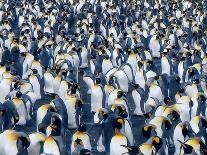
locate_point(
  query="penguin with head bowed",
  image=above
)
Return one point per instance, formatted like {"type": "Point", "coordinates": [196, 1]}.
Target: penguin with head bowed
{"type": "Point", "coordinates": [42, 111]}
{"type": "Point", "coordinates": [154, 146]}
{"type": "Point", "coordinates": [60, 107]}
{"type": "Point", "coordinates": [193, 146]}
{"type": "Point", "coordinates": [182, 132]}
{"type": "Point", "coordinates": [81, 134]}
{"type": "Point", "coordinates": [121, 80]}
{"type": "Point", "coordinates": [51, 146]}
{"type": "Point", "coordinates": [163, 125]}
{"type": "Point", "coordinates": [14, 142]}
{"type": "Point", "coordinates": [198, 125]}
{"type": "Point", "coordinates": [52, 126]}
{"type": "Point", "coordinates": [37, 140]}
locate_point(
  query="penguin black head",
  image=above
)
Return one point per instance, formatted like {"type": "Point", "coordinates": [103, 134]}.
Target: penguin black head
{"type": "Point", "coordinates": [106, 57]}
{"type": "Point", "coordinates": [185, 130]}
{"type": "Point", "coordinates": [120, 94]}
{"type": "Point", "coordinates": [157, 143]}
{"type": "Point", "coordinates": [34, 71]}
{"type": "Point", "coordinates": [147, 115]}
{"type": "Point", "coordinates": [98, 81]}
{"type": "Point", "coordinates": [202, 99]}
{"type": "Point", "coordinates": [118, 123]}
{"type": "Point", "coordinates": [167, 124]}
{"type": "Point", "coordinates": [175, 115]}
{"type": "Point", "coordinates": [82, 127]}
{"type": "Point", "coordinates": [203, 123]}
{"type": "Point", "coordinates": [188, 149]}
{"type": "Point", "coordinates": [18, 94]}
{"type": "Point", "coordinates": [177, 78]}
{"type": "Point", "coordinates": [167, 100]}
{"type": "Point", "coordinates": [147, 130]}
{"type": "Point", "coordinates": [121, 111]}
{"type": "Point", "coordinates": [85, 152]}
{"type": "Point", "coordinates": [79, 103]}
{"type": "Point", "coordinates": [55, 125]}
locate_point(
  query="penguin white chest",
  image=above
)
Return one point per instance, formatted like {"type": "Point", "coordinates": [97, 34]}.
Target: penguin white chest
{"type": "Point", "coordinates": [96, 97]}
{"type": "Point", "coordinates": [115, 145]}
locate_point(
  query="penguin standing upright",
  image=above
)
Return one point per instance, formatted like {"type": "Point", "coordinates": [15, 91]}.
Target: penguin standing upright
{"type": "Point", "coordinates": [81, 134]}
{"type": "Point", "coordinates": [96, 96]}
{"type": "Point", "coordinates": [118, 139]}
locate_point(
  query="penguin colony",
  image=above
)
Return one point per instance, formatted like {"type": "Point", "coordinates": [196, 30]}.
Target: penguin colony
{"type": "Point", "coordinates": [108, 77]}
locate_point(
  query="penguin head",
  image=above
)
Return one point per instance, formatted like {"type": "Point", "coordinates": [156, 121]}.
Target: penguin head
{"type": "Point", "coordinates": [118, 123]}
{"type": "Point", "coordinates": [98, 80]}
{"type": "Point", "coordinates": [167, 100]}
{"type": "Point", "coordinates": [167, 124]}
{"type": "Point", "coordinates": [18, 94]}
{"type": "Point", "coordinates": [120, 94]}
{"type": "Point", "coordinates": [147, 130]}
{"type": "Point", "coordinates": [34, 71]}
{"type": "Point", "coordinates": [82, 127]}
{"type": "Point", "coordinates": [102, 115]}
{"type": "Point", "coordinates": [188, 149]}
{"type": "Point", "coordinates": [55, 125]}
{"type": "Point", "coordinates": [157, 143]}
{"type": "Point", "coordinates": [203, 123]}
{"type": "Point", "coordinates": [185, 130]}
{"type": "Point", "coordinates": [120, 111]}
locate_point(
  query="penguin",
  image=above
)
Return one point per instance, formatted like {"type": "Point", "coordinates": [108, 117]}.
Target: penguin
{"type": "Point", "coordinates": [81, 134]}
{"type": "Point", "coordinates": [154, 46]}
{"type": "Point", "coordinates": [14, 142]}
{"type": "Point", "coordinates": [42, 111]}
{"type": "Point", "coordinates": [35, 94]}
{"type": "Point", "coordinates": [21, 109]}
{"type": "Point", "coordinates": [122, 80]}
{"type": "Point", "coordinates": [194, 145]}
{"type": "Point", "coordinates": [138, 98]}
{"type": "Point", "coordinates": [100, 118]}
{"type": "Point", "coordinates": [96, 95]}
{"type": "Point", "coordinates": [72, 103]}
{"type": "Point", "coordinates": [36, 143]}
{"type": "Point", "coordinates": [48, 86]}
{"type": "Point", "coordinates": [198, 125]}
{"type": "Point", "coordinates": [50, 146]}
{"type": "Point", "coordinates": [181, 133]}
{"type": "Point", "coordinates": [118, 139]}
{"type": "Point", "coordinates": [6, 86]}
{"type": "Point", "coordinates": [106, 64]}
{"type": "Point", "coordinates": [163, 124]}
